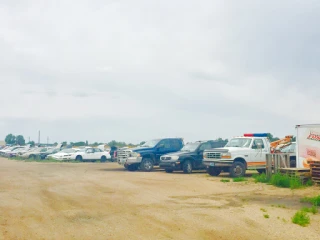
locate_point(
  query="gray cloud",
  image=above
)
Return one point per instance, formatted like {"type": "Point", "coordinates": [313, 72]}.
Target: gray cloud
{"type": "Point", "coordinates": [134, 70]}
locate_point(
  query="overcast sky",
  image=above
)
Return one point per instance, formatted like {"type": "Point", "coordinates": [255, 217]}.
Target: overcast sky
{"type": "Point", "coordinates": [129, 70]}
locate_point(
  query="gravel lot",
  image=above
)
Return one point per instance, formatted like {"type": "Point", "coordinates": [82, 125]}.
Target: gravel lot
{"type": "Point", "coordinates": [102, 201]}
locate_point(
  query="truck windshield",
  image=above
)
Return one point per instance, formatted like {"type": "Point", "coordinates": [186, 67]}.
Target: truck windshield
{"type": "Point", "coordinates": [190, 147]}
{"type": "Point", "coordinates": [151, 143]}
{"type": "Point", "coordinates": [239, 142]}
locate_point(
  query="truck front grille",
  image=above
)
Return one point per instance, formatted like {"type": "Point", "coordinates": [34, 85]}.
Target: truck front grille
{"type": "Point", "coordinates": [165, 158]}
{"type": "Point", "coordinates": [214, 155]}
{"type": "Point", "coordinates": [123, 154]}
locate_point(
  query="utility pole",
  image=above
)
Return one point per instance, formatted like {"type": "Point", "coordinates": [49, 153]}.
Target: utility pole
{"type": "Point", "coordinates": [47, 140]}
{"type": "Point", "coordinates": [39, 138]}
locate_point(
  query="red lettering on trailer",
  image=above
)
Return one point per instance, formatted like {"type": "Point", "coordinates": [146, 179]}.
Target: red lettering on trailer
{"type": "Point", "coordinates": [314, 136]}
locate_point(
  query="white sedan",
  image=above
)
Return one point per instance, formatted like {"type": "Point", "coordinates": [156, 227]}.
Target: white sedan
{"type": "Point", "coordinates": [64, 154]}
{"type": "Point", "coordinates": [90, 154]}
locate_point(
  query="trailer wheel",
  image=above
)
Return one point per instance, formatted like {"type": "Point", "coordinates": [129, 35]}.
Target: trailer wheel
{"type": "Point", "coordinates": [213, 171]}
{"type": "Point", "coordinates": [237, 169]}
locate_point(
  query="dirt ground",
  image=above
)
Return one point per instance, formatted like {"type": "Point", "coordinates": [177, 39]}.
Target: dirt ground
{"type": "Point", "coordinates": [103, 201]}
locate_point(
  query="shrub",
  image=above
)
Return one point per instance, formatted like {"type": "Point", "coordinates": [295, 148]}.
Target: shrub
{"type": "Point", "coordinates": [266, 216]}
{"type": "Point", "coordinates": [260, 178]}
{"type": "Point", "coordinates": [301, 218]}
{"type": "Point", "coordinates": [285, 181]}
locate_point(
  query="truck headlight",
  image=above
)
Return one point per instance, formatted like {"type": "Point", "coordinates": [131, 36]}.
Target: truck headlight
{"type": "Point", "coordinates": [226, 155]}
{"type": "Point", "coordinates": [134, 154]}
{"type": "Point", "coordinates": [174, 158]}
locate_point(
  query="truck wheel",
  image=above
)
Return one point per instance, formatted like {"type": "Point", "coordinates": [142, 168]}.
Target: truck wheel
{"type": "Point", "coordinates": [213, 171]}
{"type": "Point", "coordinates": [168, 170]}
{"type": "Point", "coordinates": [260, 171]}
{"type": "Point", "coordinates": [146, 165]}
{"type": "Point", "coordinates": [79, 158]}
{"type": "Point", "coordinates": [187, 167]}
{"type": "Point", "coordinates": [132, 167]}
{"type": "Point", "coordinates": [237, 169]}
{"type": "Point", "coordinates": [103, 159]}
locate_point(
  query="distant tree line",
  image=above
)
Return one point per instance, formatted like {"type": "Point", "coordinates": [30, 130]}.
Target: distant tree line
{"type": "Point", "coordinates": [19, 139]}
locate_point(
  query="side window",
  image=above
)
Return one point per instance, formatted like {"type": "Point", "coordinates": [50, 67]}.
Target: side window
{"type": "Point", "coordinates": [90, 150]}
{"type": "Point", "coordinates": [165, 144]}
{"type": "Point", "coordinates": [175, 144]}
{"type": "Point", "coordinates": [205, 146]}
{"type": "Point", "coordinates": [97, 150]}
{"type": "Point", "coordinates": [257, 142]}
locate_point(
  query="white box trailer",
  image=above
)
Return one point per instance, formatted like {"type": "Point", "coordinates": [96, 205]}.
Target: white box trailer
{"type": "Point", "coordinates": [308, 144]}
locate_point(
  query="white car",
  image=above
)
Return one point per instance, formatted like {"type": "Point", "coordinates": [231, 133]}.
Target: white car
{"type": "Point", "coordinates": [64, 154]}
{"type": "Point", "coordinates": [90, 154]}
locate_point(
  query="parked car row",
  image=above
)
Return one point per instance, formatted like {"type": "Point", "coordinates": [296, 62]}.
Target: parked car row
{"type": "Point", "coordinates": [247, 152]}
{"type": "Point", "coordinates": [57, 153]}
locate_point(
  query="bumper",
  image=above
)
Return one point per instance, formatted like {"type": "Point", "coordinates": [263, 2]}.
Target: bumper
{"type": "Point", "coordinates": [217, 163]}
{"type": "Point", "coordinates": [61, 158]}
{"type": "Point", "coordinates": [170, 165]}
{"type": "Point", "coordinates": [130, 160]}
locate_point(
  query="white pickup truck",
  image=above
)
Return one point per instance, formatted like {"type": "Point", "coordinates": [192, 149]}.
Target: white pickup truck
{"type": "Point", "coordinates": [240, 154]}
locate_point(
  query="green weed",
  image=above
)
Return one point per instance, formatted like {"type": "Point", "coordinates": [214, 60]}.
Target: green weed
{"type": "Point", "coordinates": [260, 178]}
{"type": "Point", "coordinates": [240, 179]}
{"type": "Point", "coordinates": [313, 209]}
{"type": "Point", "coordinates": [315, 201]}
{"type": "Point", "coordinates": [225, 180]}
{"type": "Point", "coordinates": [263, 210]}
{"type": "Point", "coordinates": [266, 216]}
{"type": "Point", "coordinates": [301, 218]}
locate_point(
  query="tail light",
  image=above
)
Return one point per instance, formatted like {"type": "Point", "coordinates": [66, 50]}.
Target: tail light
{"type": "Point", "coordinates": [115, 154]}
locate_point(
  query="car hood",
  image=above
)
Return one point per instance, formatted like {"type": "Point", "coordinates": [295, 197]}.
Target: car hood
{"type": "Point", "coordinates": [141, 149]}
{"type": "Point", "coordinates": [227, 149]}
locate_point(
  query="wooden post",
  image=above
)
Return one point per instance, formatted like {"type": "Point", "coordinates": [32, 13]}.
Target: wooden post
{"type": "Point", "coordinates": [269, 165]}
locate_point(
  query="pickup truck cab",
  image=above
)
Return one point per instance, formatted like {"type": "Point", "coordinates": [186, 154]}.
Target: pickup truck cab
{"type": "Point", "coordinates": [240, 154]}
{"type": "Point", "coordinates": [189, 158]}
{"type": "Point", "coordinates": [146, 156]}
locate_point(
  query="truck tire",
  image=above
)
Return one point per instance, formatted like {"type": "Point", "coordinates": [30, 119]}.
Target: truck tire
{"type": "Point", "coordinates": [103, 159]}
{"type": "Point", "coordinates": [237, 169]}
{"type": "Point", "coordinates": [168, 170]}
{"type": "Point", "coordinates": [132, 167]}
{"type": "Point", "coordinates": [187, 167]}
{"type": "Point", "coordinates": [146, 165]}
{"type": "Point", "coordinates": [213, 171]}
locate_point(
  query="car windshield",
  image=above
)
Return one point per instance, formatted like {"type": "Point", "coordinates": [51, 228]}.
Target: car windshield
{"type": "Point", "coordinates": [239, 142]}
{"type": "Point", "coordinates": [151, 143]}
{"type": "Point", "coordinates": [190, 147]}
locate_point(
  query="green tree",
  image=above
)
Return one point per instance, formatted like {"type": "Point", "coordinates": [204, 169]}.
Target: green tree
{"type": "Point", "coordinates": [143, 142]}
{"type": "Point", "coordinates": [272, 138]}
{"type": "Point", "coordinates": [20, 140]}
{"type": "Point", "coordinates": [10, 139]}
{"type": "Point", "coordinates": [32, 143]}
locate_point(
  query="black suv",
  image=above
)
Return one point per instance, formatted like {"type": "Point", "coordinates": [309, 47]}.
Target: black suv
{"type": "Point", "coordinates": [189, 158]}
